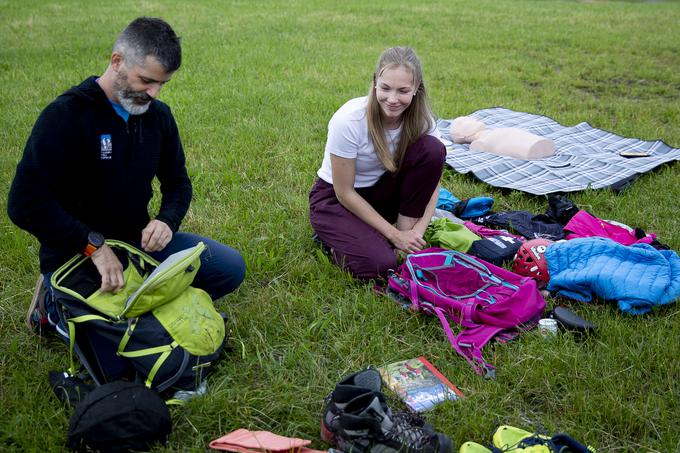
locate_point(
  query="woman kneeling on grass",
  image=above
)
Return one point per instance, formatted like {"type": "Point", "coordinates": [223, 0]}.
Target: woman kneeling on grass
{"type": "Point", "coordinates": [378, 183]}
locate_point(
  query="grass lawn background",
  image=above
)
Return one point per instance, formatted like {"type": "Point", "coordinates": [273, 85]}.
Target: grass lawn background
{"type": "Point", "coordinates": [258, 84]}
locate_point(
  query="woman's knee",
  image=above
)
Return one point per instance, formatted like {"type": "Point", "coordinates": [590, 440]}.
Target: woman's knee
{"type": "Point", "coordinates": [426, 152]}
{"type": "Point", "coordinates": [368, 267]}
{"type": "Point", "coordinates": [430, 150]}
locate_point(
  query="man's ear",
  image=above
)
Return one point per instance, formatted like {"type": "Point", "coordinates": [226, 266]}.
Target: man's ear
{"type": "Point", "coordinates": [116, 60]}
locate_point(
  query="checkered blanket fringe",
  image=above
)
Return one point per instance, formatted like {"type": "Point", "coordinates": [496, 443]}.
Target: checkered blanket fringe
{"type": "Point", "coordinates": [585, 157]}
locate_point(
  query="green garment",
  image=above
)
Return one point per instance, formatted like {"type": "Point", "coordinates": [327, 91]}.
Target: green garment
{"type": "Point", "coordinates": [444, 233]}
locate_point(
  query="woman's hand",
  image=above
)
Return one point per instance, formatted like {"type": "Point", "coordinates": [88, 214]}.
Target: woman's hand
{"type": "Point", "coordinates": [409, 241]}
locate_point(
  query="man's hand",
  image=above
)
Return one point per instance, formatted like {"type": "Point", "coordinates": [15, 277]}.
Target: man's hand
{"type": "Point", "coordinates": [409, 241]}
{"type": "Point", "coordinates": [156, 236]}
{"type": "Point", "coordinates": [109, 268]}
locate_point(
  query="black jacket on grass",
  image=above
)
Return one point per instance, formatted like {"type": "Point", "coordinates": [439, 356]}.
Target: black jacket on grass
{"type": "Point", "coordinates": [85, 169]}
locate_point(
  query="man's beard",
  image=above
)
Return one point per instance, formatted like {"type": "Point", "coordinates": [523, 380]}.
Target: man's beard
{"type": "Point", "coordinates": [134, 102]}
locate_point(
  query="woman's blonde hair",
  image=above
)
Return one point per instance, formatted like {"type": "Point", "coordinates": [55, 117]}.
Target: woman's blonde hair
{"type": "Point", "coordinates": [417, 118]}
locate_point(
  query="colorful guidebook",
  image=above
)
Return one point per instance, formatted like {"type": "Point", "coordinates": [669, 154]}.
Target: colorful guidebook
{"type": "Point", "coordinates": [418, 383]}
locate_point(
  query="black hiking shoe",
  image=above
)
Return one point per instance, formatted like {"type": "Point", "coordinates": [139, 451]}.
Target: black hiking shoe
{"type": "Point", "coordinates": [350, 387]}
{"type": "Point", "coordinates": [359, 383]}
{"type": "Point", "coordinates": [36, 317]}
{"type": "Point", "coordinates": [366, 425]}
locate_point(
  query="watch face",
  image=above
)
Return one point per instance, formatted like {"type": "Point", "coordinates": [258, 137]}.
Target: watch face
{"type": "Point", "coordinates": [96, 239]}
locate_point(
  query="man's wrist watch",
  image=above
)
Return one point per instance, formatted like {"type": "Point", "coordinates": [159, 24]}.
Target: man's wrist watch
{"type": "Point", "coordinates": [94, 242]}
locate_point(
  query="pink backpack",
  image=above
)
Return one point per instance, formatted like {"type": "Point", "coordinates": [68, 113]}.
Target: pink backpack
{"type": "Point", "coordinates": [487, 301]}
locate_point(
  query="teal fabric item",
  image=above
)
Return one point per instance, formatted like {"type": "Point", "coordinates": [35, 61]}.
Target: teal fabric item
{"type": "Point", "coordinates": [473, 207]}
{"type": "Point", "coordinates": [444, 233]}
{"type": "Point", "coordinates": [447, 200]}
{"type": "Point", "coordinates": [465, 209]}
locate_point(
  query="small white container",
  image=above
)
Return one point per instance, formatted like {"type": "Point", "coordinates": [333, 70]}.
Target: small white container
{"type": "Point", "coordinates": [547, 327]}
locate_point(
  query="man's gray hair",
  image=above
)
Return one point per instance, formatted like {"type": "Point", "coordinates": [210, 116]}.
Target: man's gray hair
{"type": "Point", "coordinates": [150, 36]}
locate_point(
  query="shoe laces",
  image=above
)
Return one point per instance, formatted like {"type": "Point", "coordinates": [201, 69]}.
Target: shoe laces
{"type": "Point", "coordinates": [404, 412]}
{"type": "Point", "coordinates": [327, 400]}
{"type": "Point", "coordinates": [407, 434]}
{"type": "Point", "coordinates": [409, 417]}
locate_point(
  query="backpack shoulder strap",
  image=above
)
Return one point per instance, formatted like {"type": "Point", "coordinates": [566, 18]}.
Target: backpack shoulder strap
{"type": "Point", "coordinates": [469, 344]}
{"type": "Point", "coordinates": [71, 323]}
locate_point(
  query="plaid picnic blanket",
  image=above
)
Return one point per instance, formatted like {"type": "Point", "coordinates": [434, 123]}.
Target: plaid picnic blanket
{"type": "Point", "coordinates": [584, 157]}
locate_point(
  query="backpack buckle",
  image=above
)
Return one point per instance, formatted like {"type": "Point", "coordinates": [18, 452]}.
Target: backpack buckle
{"type": "Point", "coordinates": [489, 371]}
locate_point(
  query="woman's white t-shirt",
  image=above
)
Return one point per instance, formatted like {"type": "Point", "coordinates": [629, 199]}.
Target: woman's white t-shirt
{"type": "Point", "coordinates": [348, 137]}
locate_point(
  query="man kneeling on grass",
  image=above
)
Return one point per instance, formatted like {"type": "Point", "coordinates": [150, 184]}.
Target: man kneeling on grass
{"type": "Point", "coordinates": [87, 169]}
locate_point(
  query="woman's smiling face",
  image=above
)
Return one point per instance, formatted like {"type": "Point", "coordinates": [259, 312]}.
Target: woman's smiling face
{"type": "Point", "coordinates": [394, 90]}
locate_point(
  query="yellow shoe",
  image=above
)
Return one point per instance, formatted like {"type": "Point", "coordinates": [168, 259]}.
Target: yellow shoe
{"type": "Point", "coordinates": [473, 447]}
{"type": "Point", "coordinates": [509, 438]}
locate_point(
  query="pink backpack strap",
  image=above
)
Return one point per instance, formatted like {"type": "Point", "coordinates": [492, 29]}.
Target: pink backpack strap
{"type": "Point", "coordinates": [413, 290]}
{"type": "Point", "coordinates": [469, 343]}
{"type": "Point", "coordinates": [447, 328]}
{"type": "Point", "coordinates": [467, 312]}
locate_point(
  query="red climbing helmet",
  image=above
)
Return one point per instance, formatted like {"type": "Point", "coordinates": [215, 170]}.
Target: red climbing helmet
{"type": "Point", "coordinates": [530, 260]}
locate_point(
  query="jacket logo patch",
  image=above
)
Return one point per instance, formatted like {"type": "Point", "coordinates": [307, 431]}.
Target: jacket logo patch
{"type": "Point", "coordinates": [106, 147]}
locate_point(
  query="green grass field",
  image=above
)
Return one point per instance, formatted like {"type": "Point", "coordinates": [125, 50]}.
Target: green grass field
{"type": "Point", "coordinates": [259, 82]}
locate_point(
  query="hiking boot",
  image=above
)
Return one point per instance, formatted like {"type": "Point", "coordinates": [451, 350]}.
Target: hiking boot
{"type": "Point", "coordinates": [366, 425]}
{"type": "Point", "coordinates": [359, 383]}
{"type": "Point", "coordinates": [36, 317]}
{"type": "Point", "coordinates": [350, 387]}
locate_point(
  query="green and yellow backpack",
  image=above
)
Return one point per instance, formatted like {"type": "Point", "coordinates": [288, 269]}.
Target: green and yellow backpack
{"type": "Point", "coordinates": [157, 330]}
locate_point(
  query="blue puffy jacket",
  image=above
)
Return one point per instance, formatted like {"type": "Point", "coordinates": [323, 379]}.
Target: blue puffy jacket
{"type": "Point", "coordinates": [638, 276]}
